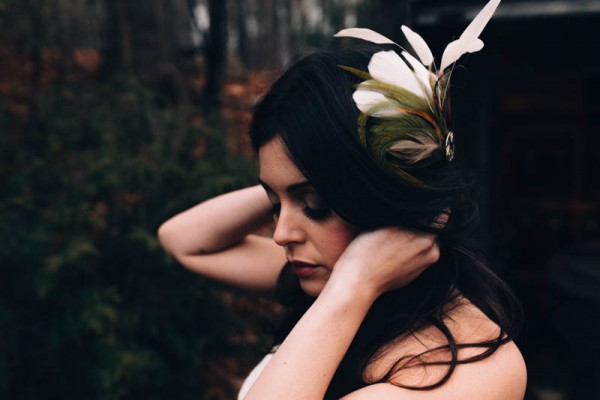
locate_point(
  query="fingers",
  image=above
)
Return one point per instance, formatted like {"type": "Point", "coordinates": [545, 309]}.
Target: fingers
{"type": "Point", "coordinates": [441, 220]}
{"type": "Point", "coordinates": [400, 255]}
{"type": "Point", "coordinates": [422, 239]}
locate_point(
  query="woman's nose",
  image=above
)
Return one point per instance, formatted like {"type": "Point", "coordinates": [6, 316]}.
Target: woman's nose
{"type": "Point", "coordinates": [288, 229]}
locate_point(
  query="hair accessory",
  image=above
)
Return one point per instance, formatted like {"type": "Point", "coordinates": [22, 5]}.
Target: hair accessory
{"type": "Point", "coordinates": [449, 146]}
{"type": "Point", "coordinates": [407, 97]}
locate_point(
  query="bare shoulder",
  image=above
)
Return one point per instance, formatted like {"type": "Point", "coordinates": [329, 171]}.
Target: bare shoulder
{"type": "Point", "coordinates": [501, 376]}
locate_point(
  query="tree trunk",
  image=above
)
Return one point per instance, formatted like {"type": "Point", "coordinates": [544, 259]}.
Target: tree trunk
{"type": "Point", "coordinates": [144, 37]}
{"type": "Point", "coordinates": [240, 16]}
{"type": "Point", "coordinates": [215, 51]}
{"type": "Point", "coordinates": [118, 53]}
{"type": "Point", "coordinates": [386, 17]}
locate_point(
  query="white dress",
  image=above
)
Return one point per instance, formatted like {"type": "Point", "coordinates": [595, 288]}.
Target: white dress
{"type": "Point", "coordinates": [253, 376]}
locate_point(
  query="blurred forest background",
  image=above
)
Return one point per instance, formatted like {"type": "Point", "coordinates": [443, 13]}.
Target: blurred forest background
{"type": "Point", "coordinates": [116, 114]}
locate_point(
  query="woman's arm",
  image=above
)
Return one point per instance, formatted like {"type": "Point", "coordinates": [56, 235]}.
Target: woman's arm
{"type": "Point", "coordinates": [215, 239]}
{"type": "Point", "coordinates": [373, 263]}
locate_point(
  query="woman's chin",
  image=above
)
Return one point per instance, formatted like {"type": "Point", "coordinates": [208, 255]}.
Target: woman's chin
{"type": "Point", "coordinates": [312, 287]}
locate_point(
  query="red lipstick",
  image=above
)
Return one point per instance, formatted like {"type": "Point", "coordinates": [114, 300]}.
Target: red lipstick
{"type": "Point", "coordinates": [302, 269]}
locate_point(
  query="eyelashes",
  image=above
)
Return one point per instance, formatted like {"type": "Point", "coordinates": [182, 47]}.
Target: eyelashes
{"type": "Point", "coordinates": [315, 214]}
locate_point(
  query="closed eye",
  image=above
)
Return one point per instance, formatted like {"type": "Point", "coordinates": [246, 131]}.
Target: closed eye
{"type": "Point", "coordinates": [316, 214]}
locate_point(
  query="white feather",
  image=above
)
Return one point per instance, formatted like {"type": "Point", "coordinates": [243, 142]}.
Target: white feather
{"type": "Point", "coordinates": [465, 44]}
{"type": "Point", "coordinates": [419, 45]}
{"type": "Point", "coordinates": [475, 46]}
{"type": "Point", "coordinates": [458, 46]}
{"type": "Point", "coordinates": [412, 151]}
{"type": "Point", "coordinates": [364, 34]}
{"type": "Point", "coordinates": [388, 67]}
{"type": "Point", "coordinates": [421, 72]}
{"type": "Point", "coordinates": [374, 104]}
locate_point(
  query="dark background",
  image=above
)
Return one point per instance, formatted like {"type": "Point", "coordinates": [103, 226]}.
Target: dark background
{"type": "Point", "coordinates": [115, 114]}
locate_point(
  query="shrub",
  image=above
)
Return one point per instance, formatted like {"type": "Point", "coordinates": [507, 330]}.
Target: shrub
{"type": "Point", "coordinates": [90, 306]}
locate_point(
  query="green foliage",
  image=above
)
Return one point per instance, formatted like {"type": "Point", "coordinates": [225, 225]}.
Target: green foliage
{"type": "Point", "coordinates": [90, 306]}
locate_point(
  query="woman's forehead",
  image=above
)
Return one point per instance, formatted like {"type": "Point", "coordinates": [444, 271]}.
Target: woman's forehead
{"type": "Point", "coordinates": [276, 168]}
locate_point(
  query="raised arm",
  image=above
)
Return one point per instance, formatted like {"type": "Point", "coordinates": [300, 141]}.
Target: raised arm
{"type": "Point", "coordinates": [216, 239]}
{"type": "Point", "coordinates": [306, 361]}
{"type": "Point", "coordinates": [374, 263]}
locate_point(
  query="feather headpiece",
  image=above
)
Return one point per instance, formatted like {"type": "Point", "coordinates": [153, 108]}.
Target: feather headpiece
{"type": "Point", "coordinates": [407, 97]}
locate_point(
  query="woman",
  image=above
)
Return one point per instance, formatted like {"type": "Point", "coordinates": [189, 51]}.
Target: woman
{"type": "Point", "coordinates": [370, 247]}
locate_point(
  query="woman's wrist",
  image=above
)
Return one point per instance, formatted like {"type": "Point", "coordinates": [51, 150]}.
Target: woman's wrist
{"type": "Point", "coordinates": [306, 361]}
{"type": "Point", "coordinates": [351, 287]}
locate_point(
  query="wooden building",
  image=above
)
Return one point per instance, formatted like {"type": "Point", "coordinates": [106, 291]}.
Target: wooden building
{"type": "Point", "coordinates": [527, 121]}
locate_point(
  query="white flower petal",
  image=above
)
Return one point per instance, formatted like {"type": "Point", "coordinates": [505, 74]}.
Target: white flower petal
{"type": "Point", "coordinates": [388, 67]}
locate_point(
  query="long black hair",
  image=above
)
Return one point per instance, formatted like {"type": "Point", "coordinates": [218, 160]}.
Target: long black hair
{"type": "Point", "coordinates": [311, 109]}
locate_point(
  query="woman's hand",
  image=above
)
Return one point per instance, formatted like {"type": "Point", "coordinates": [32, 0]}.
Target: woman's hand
{"type": "Point", "coordinates": [373, 263]}
{"type": "Point", "coordinates": [385, 259]}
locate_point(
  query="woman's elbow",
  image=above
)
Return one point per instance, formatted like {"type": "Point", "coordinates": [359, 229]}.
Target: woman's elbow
{"type": "Point", "coordinates": [166, 234]}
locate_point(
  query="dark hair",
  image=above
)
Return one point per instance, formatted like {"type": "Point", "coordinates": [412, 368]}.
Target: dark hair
{"type": "Point", "coordinates": [311, 109]}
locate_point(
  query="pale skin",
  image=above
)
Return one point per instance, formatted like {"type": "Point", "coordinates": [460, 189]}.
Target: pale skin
{"type": "Point", "coordinates": [344, 283]}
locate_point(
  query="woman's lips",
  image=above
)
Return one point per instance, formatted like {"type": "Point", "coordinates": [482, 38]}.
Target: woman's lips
{"type": "Point", "coordinates": [303, 269]}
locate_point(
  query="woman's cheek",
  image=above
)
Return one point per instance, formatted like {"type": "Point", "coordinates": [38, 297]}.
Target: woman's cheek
{"type": "Point", "coordinates": [338, 244]}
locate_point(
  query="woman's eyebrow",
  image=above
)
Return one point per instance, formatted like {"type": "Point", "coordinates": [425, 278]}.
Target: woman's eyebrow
{"type": "Point", "coordinates": [291, 188]}
{"type": "Point", "coordinates": [297, 186]}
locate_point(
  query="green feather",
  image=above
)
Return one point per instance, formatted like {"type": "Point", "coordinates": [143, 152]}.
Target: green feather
{"type": "Point", "coordinates": [404, 175]}
{"type": "Point", "coordinates": [409, 122]}
{"type": "Point", "coordinates": [362, 122]}
{"type": "Point", "coordinates": [361, 74]}
{"type": "Point", "coordinates": [388, 130]}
